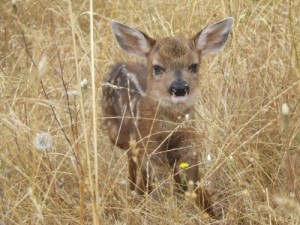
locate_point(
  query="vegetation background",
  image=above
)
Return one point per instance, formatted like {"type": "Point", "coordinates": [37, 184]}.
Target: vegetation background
{"type": "Point", "coordinates": [56, 163]}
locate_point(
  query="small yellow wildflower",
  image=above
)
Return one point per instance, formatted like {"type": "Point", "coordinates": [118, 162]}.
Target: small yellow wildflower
{"type": "Point", "coordinates": [183, 165]}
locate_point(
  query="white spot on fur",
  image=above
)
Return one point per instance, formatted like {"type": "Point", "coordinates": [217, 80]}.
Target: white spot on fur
{"type": "Point", "coordinates": [118, 81]}
{"type": "Point", "coordinates": [138, 109]}
{"type": "Point", "coordinates": [134, 80]}
{"type": "Point", "coordinates": [132, 103]}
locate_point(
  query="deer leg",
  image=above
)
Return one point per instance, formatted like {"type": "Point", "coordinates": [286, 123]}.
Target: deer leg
{"type": "Point", "coordinates": [144, 185]}
{"type": "Point", "coordinates": [173, 157]}
{"type": "Point", "coordinates": [132, 169]}
{"type": "Point", "coordinates": [193, 178]}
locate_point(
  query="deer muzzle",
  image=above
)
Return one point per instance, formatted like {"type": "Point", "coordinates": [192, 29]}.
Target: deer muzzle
{"type": "Point", "coordinates": [179, 90]}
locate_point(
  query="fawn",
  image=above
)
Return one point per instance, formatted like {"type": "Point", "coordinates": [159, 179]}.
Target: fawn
{"type": "Point", "coordinates": [145, 107]}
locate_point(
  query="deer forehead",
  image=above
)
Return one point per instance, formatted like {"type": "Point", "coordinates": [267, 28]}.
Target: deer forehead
{"type": "Point", "coordinates": [174, 52]}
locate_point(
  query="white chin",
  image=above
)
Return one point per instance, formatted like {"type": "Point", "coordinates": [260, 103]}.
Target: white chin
{"type": "Point", "coordinates": [177, 99]}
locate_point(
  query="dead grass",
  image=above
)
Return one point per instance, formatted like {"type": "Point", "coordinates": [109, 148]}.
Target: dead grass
{"type": "Point", "coordinates": [45, 53]}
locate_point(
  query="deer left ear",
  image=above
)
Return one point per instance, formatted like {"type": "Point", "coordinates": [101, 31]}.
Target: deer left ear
{"type": "Point", "coordinates": [212, 38]}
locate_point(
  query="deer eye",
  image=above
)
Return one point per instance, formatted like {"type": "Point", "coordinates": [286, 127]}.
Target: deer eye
{"type": "Point", "coordinates": [158, 70]}
{"type": "Point", "coordinates": [193, 68]}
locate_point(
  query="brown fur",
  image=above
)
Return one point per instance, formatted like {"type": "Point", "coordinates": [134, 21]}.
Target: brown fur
{"type": "Point", "coordinates": [139, 112]}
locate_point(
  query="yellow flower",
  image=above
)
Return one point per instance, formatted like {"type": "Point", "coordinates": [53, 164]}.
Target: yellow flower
{"type": "Point", "coordinates": [183, 165]}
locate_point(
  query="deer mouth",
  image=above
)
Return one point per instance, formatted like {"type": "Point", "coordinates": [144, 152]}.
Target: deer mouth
{"type": "Point", "coordinates": [178, 99]}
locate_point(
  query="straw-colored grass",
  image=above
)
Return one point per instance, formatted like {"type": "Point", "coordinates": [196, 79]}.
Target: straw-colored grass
{"type": "Point", "coordinates": [80, 178]}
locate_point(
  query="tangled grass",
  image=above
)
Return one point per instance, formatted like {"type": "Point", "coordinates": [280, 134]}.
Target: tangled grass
{"type": "Point", "coordinates": [51, 73]}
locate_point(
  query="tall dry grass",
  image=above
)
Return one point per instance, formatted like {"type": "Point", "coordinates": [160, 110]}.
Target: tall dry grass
{"type": "Point", "coordinates": [46, 51]}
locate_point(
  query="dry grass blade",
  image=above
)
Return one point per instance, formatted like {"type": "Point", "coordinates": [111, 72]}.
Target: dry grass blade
{"type": "Point", "coordinates": [53, 57]}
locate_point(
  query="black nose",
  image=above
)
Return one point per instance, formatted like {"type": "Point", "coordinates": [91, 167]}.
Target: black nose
{"type": "Point", "coordinates": [179, 88]}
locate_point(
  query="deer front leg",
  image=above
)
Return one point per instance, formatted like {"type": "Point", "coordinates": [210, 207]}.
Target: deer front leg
{"type": "Point", "coordinates": [132, 171]}
{"type": "Point", "coordinates": [173, 157]}
{"type": "Point", "coordinates": [138, 162]}
{"type": "Point", "coordinates": [189, 164]}
{"type": "Point", "coordinates": [144, 185]}
{"type": "Point", "coordinates": [183, 159]}
{"type": "Point", "coordinates": [146, 149]}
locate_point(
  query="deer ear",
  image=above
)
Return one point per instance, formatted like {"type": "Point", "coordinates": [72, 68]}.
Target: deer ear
{"type": "Point", "coordinates": [131, 40]}
{"type": "Point", "coordinates": [212, 38]}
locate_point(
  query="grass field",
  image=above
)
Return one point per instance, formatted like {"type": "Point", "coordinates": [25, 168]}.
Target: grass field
{"type": "Point", "coordinates": [56, 163]}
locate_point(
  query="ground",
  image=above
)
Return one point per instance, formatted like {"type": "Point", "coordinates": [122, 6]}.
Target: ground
{"type": "Point", "coordinates": [57, 165]}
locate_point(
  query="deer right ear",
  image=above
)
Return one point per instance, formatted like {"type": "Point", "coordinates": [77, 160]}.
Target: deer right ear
{"type": "Point", "coordinates": [131, 40]}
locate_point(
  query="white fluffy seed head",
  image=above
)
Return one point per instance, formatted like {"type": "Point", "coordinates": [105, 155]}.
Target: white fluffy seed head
{"type": "Point", "coordinates": [208, 157]}
{"type": "Point", "coordinates": [42, 65]}
{"type": "Point", "coordinates": [187, 117]}
{"type": "Point", "coordinates": [71, 93]}
{"type": "Point", "coordinates": [193, 195]}
{"type": "Point", "coordinates": [43, 141]}
{"type": "Point", "coordinates": [285, 109]}
{"type": "Point", "coordinates": [188, 194]}
{"type": "Point", "coordinates": [84, 83]}
{"type": "Point", "coordinates": [191, 183]}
